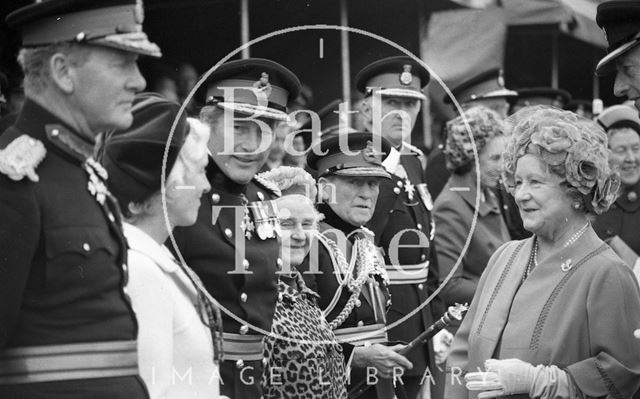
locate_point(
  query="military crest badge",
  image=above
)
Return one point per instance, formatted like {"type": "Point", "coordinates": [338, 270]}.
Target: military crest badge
{"type": "Point", "coordinates": [405, 77]}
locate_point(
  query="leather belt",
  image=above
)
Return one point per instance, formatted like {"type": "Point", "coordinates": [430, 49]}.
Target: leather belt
{"type": "Point", "coordinates": [243, 347]}
{"type": "Point", "coordinates": [362, 335]}
{"type": "Point", "coordinates": [68, 362]}
{"type": "Point", "coordinates": [408, 274]}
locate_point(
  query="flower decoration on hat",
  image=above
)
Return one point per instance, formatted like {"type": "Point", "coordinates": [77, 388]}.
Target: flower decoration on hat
{"type": "Point", "coordinates": [573, 147]}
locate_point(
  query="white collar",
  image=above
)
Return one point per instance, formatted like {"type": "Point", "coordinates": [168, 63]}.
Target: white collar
{"type": "Point", "coordinates": [392, 161]}
{"type": "Point", "coordinates": [140, 241]}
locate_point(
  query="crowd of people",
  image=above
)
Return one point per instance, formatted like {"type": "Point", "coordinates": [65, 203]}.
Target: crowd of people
{"type": "Point", "coordinates": [150, 252]}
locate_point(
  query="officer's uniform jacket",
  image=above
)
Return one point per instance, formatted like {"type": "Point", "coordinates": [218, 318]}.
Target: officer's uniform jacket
{"type": "Point", "coordinates": [405, 203]}
{"type": "Point", "coordinates": [210, 248]}
{"type": "Point", "coordinates": [622, 219]}
{"type": "Point", "coordinates": [62, 271]}
{"type": "Point", "coordinates": [365, 322]}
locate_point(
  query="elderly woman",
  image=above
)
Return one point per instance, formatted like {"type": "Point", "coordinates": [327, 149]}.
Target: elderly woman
{"type": "Point", "coordinates": [176, 316]}
{"type": "Point", "coordinates": [304, 359]}
{"type": "Point", "coordinates": [455, 206]}
{"type": "Point", "coordinates": [553, 315]}
{"type": "Point", "coordinates": [623, 129]}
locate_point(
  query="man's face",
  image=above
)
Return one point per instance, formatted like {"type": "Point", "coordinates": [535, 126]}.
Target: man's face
{"type": "Point", "coordinates": [628, 76]}
{"type": "Point", "coordinates": [399, 115]}
{"type": "Point", "coordinates": [104, 88]}
{"type": "Point", "coordinates": [625, 154]}
{"type": "Point", "coordinates": [245, 139]}
{"type": "Point", "coordinates": [355, 198]}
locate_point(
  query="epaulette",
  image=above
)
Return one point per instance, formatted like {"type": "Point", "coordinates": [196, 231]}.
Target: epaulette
{"type": "Point", "coordinates": [21, 158]}
{"type": "Point", "coordinates": [418, 152]}
{"type": "Point", "coordinates": [267, 184]}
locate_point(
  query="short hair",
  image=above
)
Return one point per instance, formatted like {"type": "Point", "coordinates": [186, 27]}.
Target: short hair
{"type": "Point", "coordinates": [35, 63]}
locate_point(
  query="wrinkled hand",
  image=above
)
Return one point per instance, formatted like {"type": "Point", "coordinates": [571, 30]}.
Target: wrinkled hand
{"type": "Point", "coordinates": [441, 344]}
{"type": "Point", "coordinates": [383, 358]}
{"type": "Point", "coordinates": [503, 377]}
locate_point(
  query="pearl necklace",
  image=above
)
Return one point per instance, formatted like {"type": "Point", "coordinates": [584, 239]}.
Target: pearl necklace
{"type": "Point", "coordinates": [565, 266]}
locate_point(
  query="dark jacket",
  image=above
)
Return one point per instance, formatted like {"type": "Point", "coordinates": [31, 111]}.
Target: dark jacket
{"type": "Point", "coordinates": [62, 259]}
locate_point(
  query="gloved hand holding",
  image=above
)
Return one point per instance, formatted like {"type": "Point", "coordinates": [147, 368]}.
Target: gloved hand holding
{"type": "Point", "coordinates": [502, 377]}
{"type": "Point", "coordinates": [441, 344]}
{"type": "Point", "coordinates": [513, 376]}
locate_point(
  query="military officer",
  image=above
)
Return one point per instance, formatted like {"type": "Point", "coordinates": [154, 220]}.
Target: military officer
{"type": "Point", "coordinates": [67, 328]}
{"type": "Point", "coordinates": [623, 217]}
{"type": "Point", "coordinates": [348, 272]}
{"type": "Point", "coordinates": [620, 21]}
{"type": "Point", "coordinates": [402, 221]}
{"type": "Point", "coordinates": [233, 246]}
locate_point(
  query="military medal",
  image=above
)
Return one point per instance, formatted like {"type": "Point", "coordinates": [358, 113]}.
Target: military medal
{"type": "Point", "coordinates": [265, 218]}
{"type": "Point", "coordinates": [246, 225]}
{"type": "Point", "coordinates": [425, 196]}
{"type": "Point", "coordinates": [409, 188]}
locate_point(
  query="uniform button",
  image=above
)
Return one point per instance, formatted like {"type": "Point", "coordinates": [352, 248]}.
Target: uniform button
{"type": "Point", "coordinates": [419, 226]}
{"type": "Point", "coordinates": [239, 363]}
{"type": "Point", "coordinates": [260, 196]}
{"type": "Point", "coordinates": [215, 198]}
{"type": "Point", "coordinates": [360, 323]}
{"type": "Point", "coordinates": [265, 361]}
{"type": "Point", "coordinates": [399, 183]}
{"type": "Point", "coordinates": [420, 286]}
{"type": "Point", "coordinates": [86, 247]}
{"type": "Point", "coordinates": [358, 303]}
{"type": "Point", "coordinates": [125, 268]}
{"type": "Point", "coordinates": [245, 264]}
{"type": "Point", "coordinates": [244, 329]}
{"type": "Point", "coordinates": [396, 190]}
{"type": "Point", "coordinates": [279, 262]}
{"type": "Point", "coordinates": [55, 132]}
{"type": "Point", "coordinates": [243, 297]}
{"type": "Point", "coordinates": [423, 257]}
{"type": "Point", "coordinates": [111, 217]}
{"type": "Point", "coordinates": [228, 233]}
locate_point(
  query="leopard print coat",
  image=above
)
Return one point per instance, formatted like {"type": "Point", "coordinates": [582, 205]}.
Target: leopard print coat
{"type": "Point", "coordinates": [303, 358]}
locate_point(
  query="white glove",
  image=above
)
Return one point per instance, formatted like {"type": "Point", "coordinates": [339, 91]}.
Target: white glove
{"type": "Point", "coordinates": [441, 344]}
{"type": "Point", "coordinates": [503, 377]}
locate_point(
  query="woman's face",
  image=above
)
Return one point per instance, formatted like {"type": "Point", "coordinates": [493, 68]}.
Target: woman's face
{"type": "Point", "coordinates": [490, 159]}
{"type": "Point", "coordinates": [625, 154]}
{"type": "Point", "coordinates": [298, 222]}
{"type": "Point", "coordinates": [188, 182]}
{"type": "Point", "coordinates": [542, 200]}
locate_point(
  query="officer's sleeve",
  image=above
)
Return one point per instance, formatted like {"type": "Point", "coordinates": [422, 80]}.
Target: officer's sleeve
{"type": "Point", "coordinates": [451, 233]}
{"type": "Point", "coordinates": [19, 237]}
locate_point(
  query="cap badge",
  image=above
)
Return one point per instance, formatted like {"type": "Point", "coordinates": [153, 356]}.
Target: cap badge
{"type": "Point", "coordinates": [605, 34]}
{"type": "Point", "coordinates": [405, 77]}
{"type": "Point", "coordinates": [263, 84]}
{"type": "Point", "coordinates": [369, 153]}
{"type": "Point", "coordinates": [501, 78]}
{"type": "Point", "coordinates": [138, 12]}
